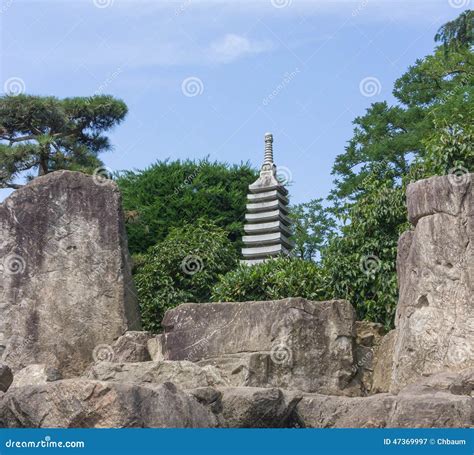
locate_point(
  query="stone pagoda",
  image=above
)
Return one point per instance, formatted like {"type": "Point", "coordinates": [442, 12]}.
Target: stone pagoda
{"type": "Point", "coordinates": [267, 225]}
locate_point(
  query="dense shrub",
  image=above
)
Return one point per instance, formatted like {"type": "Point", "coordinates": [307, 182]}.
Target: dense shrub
{"type": "Point", "coordinates": [182, 268]}
{"type": "Point", "coordinates": [276, 279]}
{"type": "Point", "coordinates": [169, 194]}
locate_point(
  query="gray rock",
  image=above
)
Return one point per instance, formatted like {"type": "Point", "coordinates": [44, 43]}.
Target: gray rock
{"type": "Point", "coordinates": [36, 375]}
{"type": "Point", "coordinates": [155, 348]}
{"type": "Point", "coordinates": [132, 347]}
{"type": "Point", "coordinates": [435, 317]}
{"type": "Point", "coordinates": [6, 377]}
{"type": "Point", "coordinates": [291, 343]}
{"type": "Point", "coordinates": [457, 383]}
{"type": "Point", "coordinates": [446, 194]}
{"type": "Point", "coordinates": [184, 374]}
{"type": "Point", "coordinates": [441, 410]}
{"type": "Point", "coordinates": [383, 364]}
{"type": "Point", "coordinates": [80, 403]}
{"type": "Point", "coordinates": [65, 281]}
{"type": "Point", "coordinates": [250, 407]}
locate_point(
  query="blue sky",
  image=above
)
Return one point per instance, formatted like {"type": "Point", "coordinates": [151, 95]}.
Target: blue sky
{"type": "Point", "coordinates": [209, 78]}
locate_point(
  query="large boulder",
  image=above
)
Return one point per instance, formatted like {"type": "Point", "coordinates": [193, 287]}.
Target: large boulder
{"type": "Point", "coordinates": [65, 284]}
{"type": "Point", "coordinates": [250, 407]}
{"type": "Point", "coordinates": [292, 343]}
{"type": "Point", "coordinates": [184, 374]}
{"type": "Point", "coordinates": [435, 313]}
{"type": "Point", "coordinates": [131, 347]}
{"type": "Point", "coordinates": [80, 403]}
{"type": "Point", "coordinates": [440, 410]}
{"type": "Point", "coordinates": [36, 375]}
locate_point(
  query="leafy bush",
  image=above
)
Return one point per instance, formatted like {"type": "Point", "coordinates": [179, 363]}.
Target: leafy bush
{"type": "Point", "coordinates": [361, 262]}
{"type": "Point", "coordinates": [171, 193]}
{"type": "Point", "coordinates": [276, 279]}
{"type": "Point", "coordinates": [182, 268]}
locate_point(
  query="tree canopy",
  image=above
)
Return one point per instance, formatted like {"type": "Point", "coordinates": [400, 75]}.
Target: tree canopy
{"type": "Point", "coordinates": [170, 194]}
{"type": "Point", "coordinates": [43, 134]}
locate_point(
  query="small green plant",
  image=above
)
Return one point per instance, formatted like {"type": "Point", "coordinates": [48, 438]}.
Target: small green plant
{"type": "Point", "coordinates": [182, 268]}
{"type": "Point", "coordinates": [275, 279]}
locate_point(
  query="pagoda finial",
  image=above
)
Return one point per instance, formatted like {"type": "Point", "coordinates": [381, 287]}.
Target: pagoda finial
{"type": "Point", "coordinates": [268, 149]}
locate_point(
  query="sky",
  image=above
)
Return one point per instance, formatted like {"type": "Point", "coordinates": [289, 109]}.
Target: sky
{"type": "Point", "coordinates": [209, 78]}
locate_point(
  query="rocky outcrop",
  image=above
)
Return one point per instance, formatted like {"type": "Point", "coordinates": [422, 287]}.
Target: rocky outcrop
{"type": "Point", "coordinates": [383, 364]}
{"type": "Point", "coordinates": [435, 313]}
{"type": "Point", "coordinates": [250, 407]}
{"type": "Point", "coordinates": [386, 411]}
{"type": "Point", "coordinates": [65, 282]}
{"type": "Point", "coordinates": [131, 347]}
{"type": "Point", "coordinates": [292, 343]}
{"type": "Point", "coordinates": [81, 403]}
{"type": "Point", "coordinates": [184, 374]}
{"type": "Point", "coordinates": [36, 375]}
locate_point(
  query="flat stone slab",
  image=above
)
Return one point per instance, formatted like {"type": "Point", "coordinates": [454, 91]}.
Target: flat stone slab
{"type": "Point", "coordinates": [292, 343]}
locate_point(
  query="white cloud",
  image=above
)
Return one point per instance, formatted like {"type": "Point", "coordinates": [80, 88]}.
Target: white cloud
{"type": "Point", "coordinates": [231, 47]}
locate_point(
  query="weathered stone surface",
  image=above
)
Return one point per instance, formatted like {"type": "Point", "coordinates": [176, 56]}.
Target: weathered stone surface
{"type": "Point", "coordinates": [184, 374]}
{"type": "Point", "coordinates": [36, 375]}
{"type": "Point", "coordinates": [457, 383]}
{"type": "Point", "coordinates": [442, 410]}
{"type": "Point", "coordinates": [383, 364]}
{"type": "Point", "coordinates": [155, 348]}
{"type": "Point", "coordinates": [295, 343]}
{"type": "Point", "coordinates": [6, 377]}
{"type": "Point", "coordinates": [132, 347]}
{"type": "Point", "coordinates": [368, 337]}
{"type": "Point", "coordinates": [80, 403]}
{"type": "Point", "coordinates": [250, 407]}
{"type": "Point", "coordinates": [448, 194]}
{"type": "Point", "coordinates": [435, 313]}
{"type": "Point", "coordinates": [65, 282]}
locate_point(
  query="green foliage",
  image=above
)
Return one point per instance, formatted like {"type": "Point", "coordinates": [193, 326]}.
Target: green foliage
{"type": "Point", "coordinates": [43, 134]}
{"type": "Point", "coordinates": [276, 279]}
{"type": "Point", "coordinates": [361, 262]}
{"type": "Point", "coordinates": [171, 193]}
{"type": "Point", "coordinates": [312, 226]}
{"type": "Point", "coordinates": [459, 32]}
{"type": "Point", "coordinates": [396, 134]}
{"type": "Point", "coordinates": [182, 268]}
{"type": "Point", "coordinates": [428, 132]}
